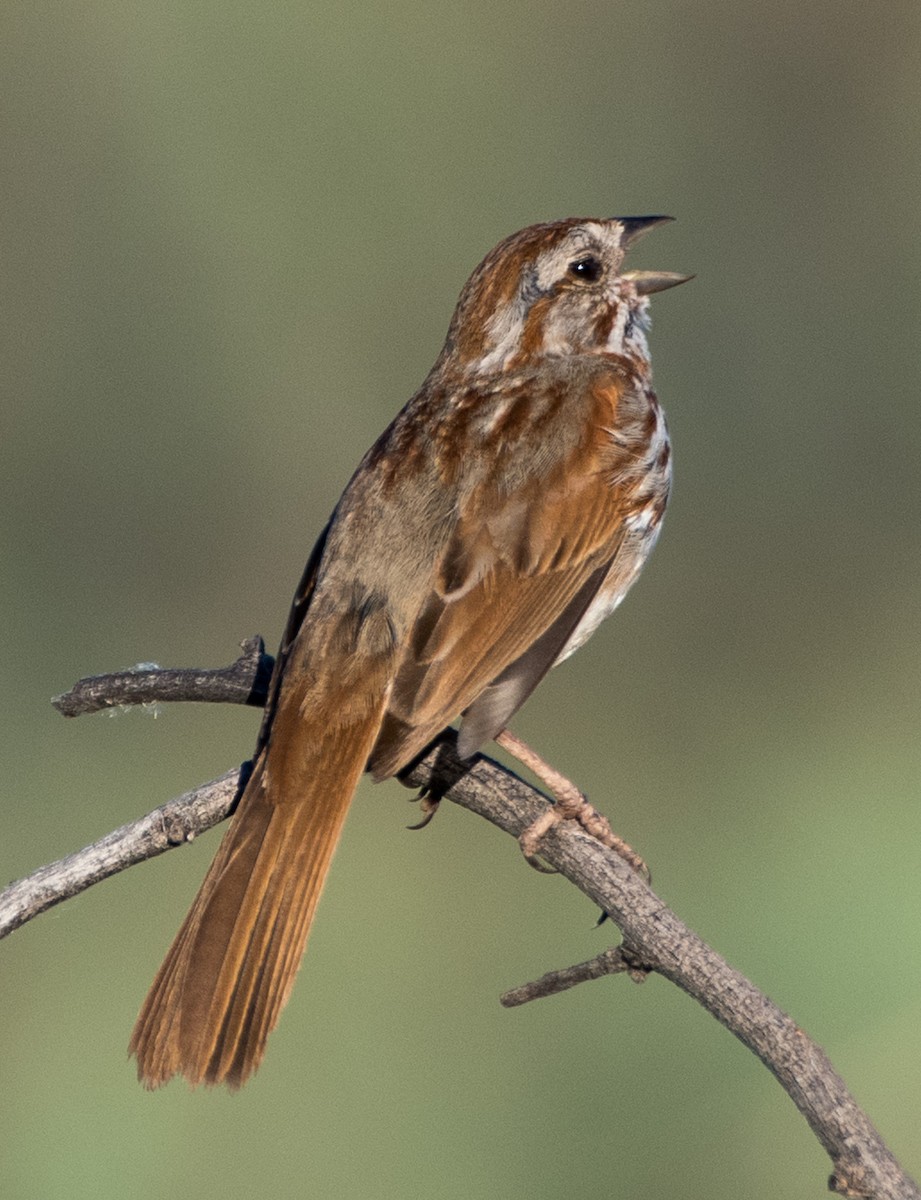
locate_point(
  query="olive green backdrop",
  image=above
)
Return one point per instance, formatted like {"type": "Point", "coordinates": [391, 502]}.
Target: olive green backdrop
{"type": "Point", "coordinates": [232, 238]}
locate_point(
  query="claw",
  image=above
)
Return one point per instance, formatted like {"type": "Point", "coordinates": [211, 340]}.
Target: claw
{"type": "Point", "coordinates": [428, 806]}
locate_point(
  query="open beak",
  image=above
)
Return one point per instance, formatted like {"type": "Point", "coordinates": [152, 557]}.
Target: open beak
{"type": "Point", "coordinates": [636, 227]}
{"type": "Point", "coordinates": [647, 282]}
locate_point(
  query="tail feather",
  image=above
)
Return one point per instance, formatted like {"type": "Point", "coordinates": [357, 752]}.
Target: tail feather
{"type": "Point", "coordinates": [226, 978]}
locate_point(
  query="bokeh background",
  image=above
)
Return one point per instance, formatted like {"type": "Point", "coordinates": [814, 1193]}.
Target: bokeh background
{"type": "Point", "coordinates": [232, 238]}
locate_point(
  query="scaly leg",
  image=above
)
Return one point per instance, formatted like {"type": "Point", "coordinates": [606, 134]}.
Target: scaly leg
{"type": "Point", "coordinates": [570, 805]}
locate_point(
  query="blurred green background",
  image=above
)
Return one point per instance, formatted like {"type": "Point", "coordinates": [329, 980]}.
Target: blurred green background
{"type": "Point", "coordinates": [232, 238]}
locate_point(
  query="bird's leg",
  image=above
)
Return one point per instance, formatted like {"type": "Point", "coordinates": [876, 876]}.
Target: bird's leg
{"type": "Point", "coordinates": [569, 805]}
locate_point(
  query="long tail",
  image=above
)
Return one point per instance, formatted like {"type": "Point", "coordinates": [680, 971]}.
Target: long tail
{"type": "Point", "coordinates": [230, 970]}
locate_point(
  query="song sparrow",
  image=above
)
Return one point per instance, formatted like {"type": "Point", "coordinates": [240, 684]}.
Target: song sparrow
{"type": "Point", "coordinates": [502, 515]}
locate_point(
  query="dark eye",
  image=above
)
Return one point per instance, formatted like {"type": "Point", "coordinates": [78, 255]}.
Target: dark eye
{"type": "Point", "coordinates": [587, 269]}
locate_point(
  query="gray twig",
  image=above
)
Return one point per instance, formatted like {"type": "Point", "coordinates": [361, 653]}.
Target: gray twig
{"type": "Point", "coordinates": [654, 937]}
{"type": "Point", "coordinates": [245, 681]}
{"type": "Point", "coordinates": [174, 823]}
{"type": "Point", "coordinates": [613, 961]}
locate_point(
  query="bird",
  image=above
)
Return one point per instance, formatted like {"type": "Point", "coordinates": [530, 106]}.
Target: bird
{"type": "Point", "coordinates": [501, 516]}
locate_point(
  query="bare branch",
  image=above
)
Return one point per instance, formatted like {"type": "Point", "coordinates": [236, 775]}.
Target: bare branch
{"type": "Point", "coordinates": [245, 681]}
{"type": "Point", "coordinates": [657, 940]}
{"type": "Point", "coordinates": [613, 961]}
{"type": "Point", "coordinates": [173, 824]}
{"type": "Point", "coordinates": [654, 938]}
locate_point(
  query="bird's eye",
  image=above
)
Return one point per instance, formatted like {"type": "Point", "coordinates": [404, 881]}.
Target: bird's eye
{"type": "Point", "coordinates": [588, 269]}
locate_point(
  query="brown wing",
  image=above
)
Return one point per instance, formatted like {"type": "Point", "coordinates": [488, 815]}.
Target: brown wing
{"type": "Point", "coordinates": [520, 569]}
{"type": "Point", "coordinates": [298, 611]}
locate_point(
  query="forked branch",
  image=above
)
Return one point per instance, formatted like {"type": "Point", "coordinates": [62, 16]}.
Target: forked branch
{"type": "Point", "coordinates": [654, 939]}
